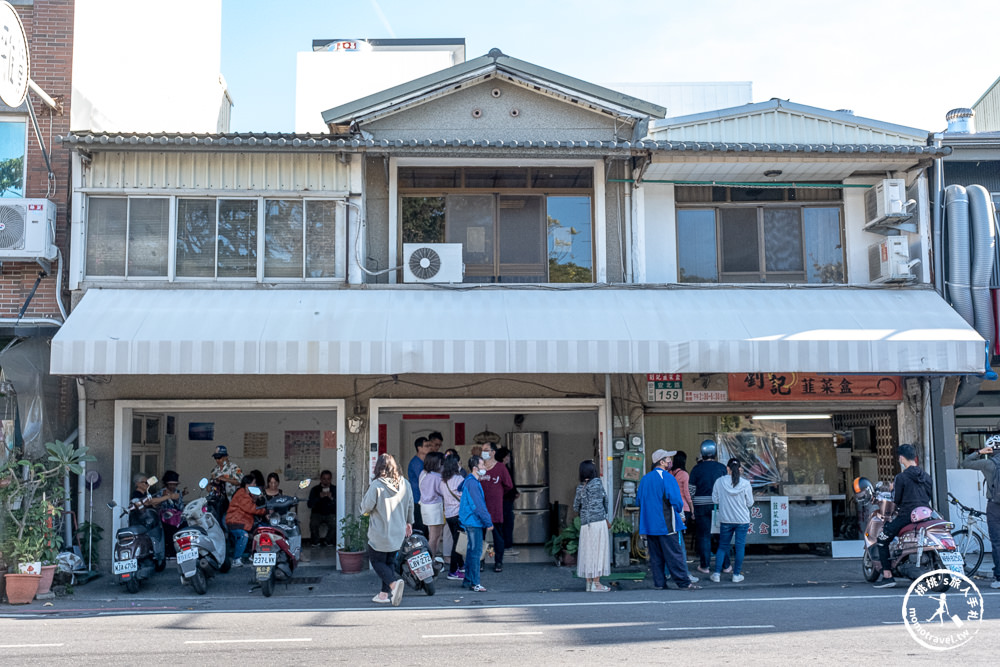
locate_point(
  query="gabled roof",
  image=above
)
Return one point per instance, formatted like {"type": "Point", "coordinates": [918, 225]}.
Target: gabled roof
{"type": "Point", "coordinates": [842, 117]}
{"type": "Point", "coordinates": [495, 63]}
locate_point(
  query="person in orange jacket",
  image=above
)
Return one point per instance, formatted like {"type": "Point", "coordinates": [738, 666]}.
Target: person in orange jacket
{"type": "Point", "coordinates": [239, 518]}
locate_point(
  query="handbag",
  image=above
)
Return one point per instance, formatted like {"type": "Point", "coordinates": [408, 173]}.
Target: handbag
{"type": "Point", "coordinates": [462, 544]}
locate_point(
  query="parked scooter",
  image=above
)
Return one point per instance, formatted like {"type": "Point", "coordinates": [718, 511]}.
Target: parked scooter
{"type": "Point", "coordinates": [922, 546]}
{"type": "Point", "coordinates": [139, 549]}
{"type": "Point", "coordinates": [414, 563]}
{"type": "Point", "coordinates": [277, 541]}
{"type": "Point", "coordinates": [201, 543]}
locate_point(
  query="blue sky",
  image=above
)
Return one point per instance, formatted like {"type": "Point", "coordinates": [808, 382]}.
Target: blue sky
{"type": "Point", "coordinates": [901, 62]}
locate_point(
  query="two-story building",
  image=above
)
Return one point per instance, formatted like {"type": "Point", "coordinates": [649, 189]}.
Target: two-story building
{"type": "Point", "coordinates": [495, 249]}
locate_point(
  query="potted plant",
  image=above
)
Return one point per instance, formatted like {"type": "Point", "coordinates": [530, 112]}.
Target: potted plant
{"type": "Point", "coordinates": [563, 546]}
{"type": "Point", "coordinates": [30, 492]}
{"type": "Point", "coordinates": [354, 533]}
{"type": "Point", "coordinates": [621, 527]}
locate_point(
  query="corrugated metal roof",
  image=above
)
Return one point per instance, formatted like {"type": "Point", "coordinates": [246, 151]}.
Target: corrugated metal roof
{"type": "Point", "coordinates": [774, 104]}
{"type": "Point", "coordinates": [495, 61]}
{"type": "Point", "coordinates": [165, 141]}
{"type": "Point", "coordinates": [370, 332]}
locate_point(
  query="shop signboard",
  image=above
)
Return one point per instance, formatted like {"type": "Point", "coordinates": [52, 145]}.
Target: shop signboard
{"type": "Point", "coordinates": [779, 516]}
{"type": "Point", "coordinates": [664, 387]}
{"type": "Point", "coordinates": [814, 387]}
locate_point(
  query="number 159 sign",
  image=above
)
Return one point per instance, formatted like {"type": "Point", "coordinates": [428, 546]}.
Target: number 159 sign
{"type": "Point", "coordinates": [664, 387]}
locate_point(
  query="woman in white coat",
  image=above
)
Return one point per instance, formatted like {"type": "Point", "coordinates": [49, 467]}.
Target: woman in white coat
{"type": "Point", "coordinates": [734, 498]}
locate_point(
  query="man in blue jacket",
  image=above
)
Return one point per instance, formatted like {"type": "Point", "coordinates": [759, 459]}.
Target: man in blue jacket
{"type": "Point", "coordinates": [476, 521]}
{"type": "Point", "coordinates": [661, 514]}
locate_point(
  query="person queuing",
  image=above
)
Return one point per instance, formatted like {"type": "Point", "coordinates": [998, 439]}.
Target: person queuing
{"type": "Point", "coordinates": [171, 508]}
{"type": "Point", "coordinates": [593, 559]}
{"type": "Point", "coordinates": [476, 520]}
{"type": "Point", "coordinates": [240, 517]}
{"type": "Point", "coordinates": [272, 488]}
{"type": "Point", "coordinates": [431, 500]}
{"type": "Point", "coordinates": [991, 472]}
{"type": "Point", "coordinates": [496, 482]}
{"type": "Point", "coordinates": [323, 518]}
{"type": "Point", "coordinates": [678, 468]}
{"type": "Point", "coordinates": [734, 496]}
{"type": "Point", "coordinates": [435, 440]}
{"type": "Point", "coordinates": [451, 494]}
{"type": "Point", "coordinates": [701, 483]}
{"type": "Point", "coordinates": [388, 503]}
{"type": "Point", "coordinates": [660, 518]}
{"type": "Point", "coordinates": [503, 456]}
{"type": "Point", "coordinates": [225, 470]}
{"type": "Point", "coordinates": [911, 489]}
{"type": "Point", "coordinates": [413, 470]}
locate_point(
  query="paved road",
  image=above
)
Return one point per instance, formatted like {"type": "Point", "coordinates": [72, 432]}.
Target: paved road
{"type": "Point", "coordinates": [821, 625]}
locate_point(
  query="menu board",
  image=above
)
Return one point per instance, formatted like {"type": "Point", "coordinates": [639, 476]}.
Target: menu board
{"type": "Point", "coordinates": [302, 454]}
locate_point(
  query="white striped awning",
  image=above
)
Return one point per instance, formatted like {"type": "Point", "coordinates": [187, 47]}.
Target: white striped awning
{"type": "Point", "coordinates": [514, 330]}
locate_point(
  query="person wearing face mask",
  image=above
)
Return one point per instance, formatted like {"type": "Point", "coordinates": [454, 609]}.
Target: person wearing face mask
{"type": "Point", "coordinates": [496, 482]}
{"type": "Point", "coordinates": [476, 521]}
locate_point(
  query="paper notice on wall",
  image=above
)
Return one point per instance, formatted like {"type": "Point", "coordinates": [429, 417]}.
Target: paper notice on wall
{"type": "Point", "coordinates": [255, 445]}
{"type": "Point", "coordinates": [329, 439]}
{"type": "Point", "coordinates": [302, 449]}
{"type": "Point", "coordinates": [779, 516]}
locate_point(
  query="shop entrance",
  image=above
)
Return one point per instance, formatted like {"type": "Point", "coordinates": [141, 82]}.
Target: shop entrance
{"type": "Point", "coordinates": [571, 429]}
{"type": "Point", "coordinates": [294, 439]}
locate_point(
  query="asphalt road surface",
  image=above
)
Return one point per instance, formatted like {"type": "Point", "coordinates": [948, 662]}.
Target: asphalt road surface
{"type": "Point", "coordinates": [819, 626]}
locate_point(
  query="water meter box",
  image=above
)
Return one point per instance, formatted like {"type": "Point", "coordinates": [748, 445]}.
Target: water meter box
{"type": "Point", "coordinates": [632, 465]}
{"type": "Point", "coordinates": [621, 548]}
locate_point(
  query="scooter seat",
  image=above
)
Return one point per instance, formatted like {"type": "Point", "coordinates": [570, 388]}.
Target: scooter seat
{"type": "Point", "coordinates": [929, 523]}
{"type": "Point", "coordinates": [133, 530]}
{"type": "Point", "coordinates": [192, 529]}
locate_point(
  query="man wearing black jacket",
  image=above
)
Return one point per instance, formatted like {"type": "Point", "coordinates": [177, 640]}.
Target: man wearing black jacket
{"type": "Point", "coordinates": [910, 490]}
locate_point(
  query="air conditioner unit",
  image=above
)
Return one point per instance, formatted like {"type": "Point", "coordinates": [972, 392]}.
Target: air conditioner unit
{"type": "Point", "coordinates": [886, 203]}
{"type": "Point", "coordinates": [888, 261]}
{"type": "Point", "coordinates": [27, 229]}
{"type": "Point", "coordinates": [432, 263]}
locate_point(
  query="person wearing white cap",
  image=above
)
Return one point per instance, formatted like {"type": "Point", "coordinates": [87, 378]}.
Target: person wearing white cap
{"type": "Point", "coordinates": [660, 517]}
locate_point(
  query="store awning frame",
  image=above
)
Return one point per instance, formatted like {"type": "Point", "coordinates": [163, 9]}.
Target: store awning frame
{"type": "Point", "coordinates": [497, 330]}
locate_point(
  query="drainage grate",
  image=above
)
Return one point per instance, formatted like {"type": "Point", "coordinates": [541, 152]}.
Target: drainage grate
{"type": "Point", "coordinates": [305, 580]}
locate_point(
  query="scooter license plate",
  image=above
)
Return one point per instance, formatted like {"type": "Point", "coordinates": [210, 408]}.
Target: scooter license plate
{"type": "Point", "coordinates": [125, 566]}
{"type": "Point", "coordinates": [263, 572]}
{"type": "Point", "coordinates": [186, 555]}
{"type": "Point", "coordinates": [419, 561]}
{"type": "Point", "coordinates": [953, 561]}
{"type": "Point", "coordinates": [265, 559]}
{"type": "Point", "coordinates": [424, 572]}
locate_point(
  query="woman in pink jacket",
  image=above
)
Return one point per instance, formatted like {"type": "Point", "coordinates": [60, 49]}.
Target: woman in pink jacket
{"type": "Point", "coordinates": [678, 468]}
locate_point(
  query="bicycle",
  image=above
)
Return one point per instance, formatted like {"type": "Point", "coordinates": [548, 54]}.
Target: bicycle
{"type": "Point", "coordinates": [969, 540]}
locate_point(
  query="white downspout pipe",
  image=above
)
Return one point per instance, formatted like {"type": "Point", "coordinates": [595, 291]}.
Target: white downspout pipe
{"type": "Point", "coordinates": [81, 441]}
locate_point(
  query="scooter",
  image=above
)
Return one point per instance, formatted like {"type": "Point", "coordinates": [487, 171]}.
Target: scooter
{"type": "Point", "coordinates": [201, 543]}
{"type": "Point", "coordinates": [139, 549]}
{"type": "Point", "coordinates": [277, 542]}
{"type": "Point", "coordinates": [414, 563]}
{"type": "Point", "coordinates": [922, 546]}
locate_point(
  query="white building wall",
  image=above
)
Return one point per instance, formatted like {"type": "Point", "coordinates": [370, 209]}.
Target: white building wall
{"type": "Point", "coordinates": [326, 79]}
{"type": "Point", "coordinates": [661, 233]}
{"type": "Point", "coordinates": [148, 67]}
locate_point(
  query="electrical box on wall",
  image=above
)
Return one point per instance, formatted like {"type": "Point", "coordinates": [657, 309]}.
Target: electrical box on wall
{"type": "Point", "coordinates": [618, 445]}
{"type": "Point", "coordinates": [635, 442]}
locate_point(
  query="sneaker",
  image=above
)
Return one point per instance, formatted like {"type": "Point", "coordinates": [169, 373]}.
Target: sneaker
{"type": "Point", "coordinates": [694, 579]}
{"type": "Point", "coordinates": [728, 570]}
{"type": "Point", "coordinates": [498, 567]}
{"type": "Point", "coordinates": [237, 562]}
{"type": "Point", "coordinates": [456, 576]}
{"type": "Point", "coordinates": [461, 570]}
{"type": "Point", "coordinates": [703, 570]}
{"type": "Point", "coordinates": [737, 578]}
{"type": "Point", "coordinates": [478, 589]}
{"type": "Point", "coordinates": [691, 587]}
{"type": "Point", "coordinates": [886, 583]}
{"type": "Point", "coordinates": [995, 584]}
{"type": "Point", "coordinates": [397, 592]}
{"type": "Point", "coordinates": [715, 577]}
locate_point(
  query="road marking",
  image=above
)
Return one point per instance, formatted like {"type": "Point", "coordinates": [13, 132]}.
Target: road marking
{"type": "Point", "coordinates": [247, 641]}
{"type": "Point", "coordinates": [893, 623]}
{"type": "Point", "coordinates": [481, 634]}
{"type": "Point", "coordinates": [722, 627]}
{"type": "Point", "coordinates": [29, 645]}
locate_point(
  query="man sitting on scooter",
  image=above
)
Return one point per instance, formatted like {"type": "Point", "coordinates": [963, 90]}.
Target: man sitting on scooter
{"type": "Point", "coordinates": [911, 489]}
{"type": "Point", "coordinates": [239, 518]}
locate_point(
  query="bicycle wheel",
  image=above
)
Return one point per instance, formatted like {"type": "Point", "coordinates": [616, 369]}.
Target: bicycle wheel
{"type": "Point", "coordinates": [970, 545]}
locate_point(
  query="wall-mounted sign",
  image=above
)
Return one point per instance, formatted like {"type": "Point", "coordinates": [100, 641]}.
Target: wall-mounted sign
{"type": "Point", "coordinates": [13, 57]}
{"type": "Point", "coordinates": [814, 387]}
{"type": "Point", "coordinates": [664, 387]}
{"type": "Point", "coordinates": [779, 516]}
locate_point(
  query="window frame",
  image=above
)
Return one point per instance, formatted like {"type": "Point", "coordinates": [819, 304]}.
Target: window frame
{"type": "Point", "coordinates": [24, 120]}
{"type": "Point", "coordinates": [498, 193]}
{"type": "Point", "coordinates": [339, 224]}
{"type": "Point", "coordinates": [760, 207]}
